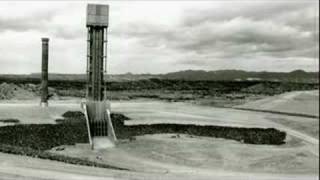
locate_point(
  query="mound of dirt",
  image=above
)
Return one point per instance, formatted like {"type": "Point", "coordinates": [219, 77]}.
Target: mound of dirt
{"type": "Point", "coordinates": [18, 92]}
{"type": "Point", "coordinates": [11, 91]}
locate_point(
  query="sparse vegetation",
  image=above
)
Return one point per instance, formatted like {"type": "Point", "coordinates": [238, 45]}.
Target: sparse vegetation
{"type": "Point", "coordinates": [213, 93]}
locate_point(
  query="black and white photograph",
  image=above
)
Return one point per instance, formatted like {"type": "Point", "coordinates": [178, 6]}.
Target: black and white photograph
{"type": "Point", "coordinates": [159, 90]}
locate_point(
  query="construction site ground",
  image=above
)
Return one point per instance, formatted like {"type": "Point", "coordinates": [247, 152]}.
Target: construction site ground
{"type": "Point", "coordinates": [172, 156]}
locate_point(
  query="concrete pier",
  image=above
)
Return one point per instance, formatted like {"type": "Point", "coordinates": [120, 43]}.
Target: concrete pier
{"type": "Point", "coordinates": [44, 72]}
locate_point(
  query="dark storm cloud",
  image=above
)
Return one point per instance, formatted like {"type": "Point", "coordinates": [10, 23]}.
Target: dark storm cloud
{"type": "Point", "coordinates": [237, 30]}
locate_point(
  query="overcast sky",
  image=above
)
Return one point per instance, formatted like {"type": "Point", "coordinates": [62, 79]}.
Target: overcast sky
{"type": "Point", "coordinates": [163, 36]}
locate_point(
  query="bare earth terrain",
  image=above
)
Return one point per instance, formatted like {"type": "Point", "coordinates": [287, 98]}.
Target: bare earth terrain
{"type": "Point", "coordinates": [301, 103]}
{"type": "Point", "coordinates": [172, 156]}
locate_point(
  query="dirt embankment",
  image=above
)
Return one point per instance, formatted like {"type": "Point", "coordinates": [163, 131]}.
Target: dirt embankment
{"type": "Point", "coordinates": [234, 92]}
{"type": "Point", "coordinates": [12, 91]}
{"type": "Point", "coordinates": [72, 129]}
{"type": "Point", "coordinates": [35, 139]}
{"type": "Point", "coordinates": [21, 91]}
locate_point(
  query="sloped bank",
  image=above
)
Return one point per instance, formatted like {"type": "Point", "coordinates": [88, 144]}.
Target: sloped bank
{"type": "Point", "coordinates": [35, 139]}
{"type": "Point", "coordinates": [269, 136]}
{"type": "Point", "coordinates": [245, 135]}
{"type": "Point", "coordinates": [72, 129]}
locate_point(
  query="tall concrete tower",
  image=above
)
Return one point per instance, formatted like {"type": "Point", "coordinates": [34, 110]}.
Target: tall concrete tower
{"type": "Point", "coordinates": [97, 109]}
{"type": "Point", "coordinates": [44, 72]}
{"type": "Point", "coordinates": [97, 24]}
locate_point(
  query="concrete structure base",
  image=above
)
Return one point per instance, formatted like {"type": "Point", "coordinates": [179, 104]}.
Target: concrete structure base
{"type": "Point", "coordinates": [102, 142]}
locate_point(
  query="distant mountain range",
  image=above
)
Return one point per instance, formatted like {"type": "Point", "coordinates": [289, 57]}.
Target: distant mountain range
{"type": "Point", "coordinates": [239, 75]}
{"type": "Point", "coordinates": [193, 75]}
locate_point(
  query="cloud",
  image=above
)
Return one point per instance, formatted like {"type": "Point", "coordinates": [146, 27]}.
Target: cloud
{"type": "Point", "coordinates": [255, 10]}
{"type": "Point", "coordinates": [21, 19]}
{"type": "Point", "coordinates": [58, 21]}
{"type": "Point", "coordinates": [276, 30]}
{"type": "Point", "coordinates": [159, 37]}
{"type": "Point", "coordinates": [21, 24]}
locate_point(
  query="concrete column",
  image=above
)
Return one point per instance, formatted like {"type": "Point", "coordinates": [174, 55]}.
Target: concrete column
{"type": "Point", "coordinates": [44, 72]}
{"type": "Point", "coordinates": [97, 109]}
{"type": "Point", "coordinates": [95, 83]}
{"type": "Point", "coordinates": [97, 24]}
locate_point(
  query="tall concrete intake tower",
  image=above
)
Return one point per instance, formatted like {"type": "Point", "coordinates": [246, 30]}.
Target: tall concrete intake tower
{"type": "Point", "coordinates": [97, 24]}
{"type": "Point", "coordinates": [97, 109]}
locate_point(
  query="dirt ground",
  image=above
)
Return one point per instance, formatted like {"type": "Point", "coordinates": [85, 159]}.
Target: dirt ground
{"type": "Point", "coordinates": [182, 153]}
{"type": "Point", "coordinates": [296, 102]}
{"type": "Point", "coordinates": [169, 156]}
